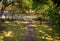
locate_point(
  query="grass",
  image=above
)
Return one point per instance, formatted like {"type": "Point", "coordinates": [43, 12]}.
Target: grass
{"type": "Point", "coordinates": [12, 33]}
{"type": "Point", "coordinates": [45, 33]}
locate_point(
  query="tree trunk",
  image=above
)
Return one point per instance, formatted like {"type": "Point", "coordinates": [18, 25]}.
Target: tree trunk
{"type": "Point", "coordinates": [1, 13]}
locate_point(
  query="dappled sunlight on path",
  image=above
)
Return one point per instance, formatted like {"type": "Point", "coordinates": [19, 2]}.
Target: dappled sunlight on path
{"type": "Point", "coordinates": [29, 34]}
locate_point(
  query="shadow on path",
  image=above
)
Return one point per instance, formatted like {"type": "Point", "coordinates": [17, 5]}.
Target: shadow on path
{"type": "Point", "coordinates": [29, 34]}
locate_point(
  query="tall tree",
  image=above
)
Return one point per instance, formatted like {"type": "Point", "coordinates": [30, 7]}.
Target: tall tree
{"type": "Point", "coordinates": [5, 3]}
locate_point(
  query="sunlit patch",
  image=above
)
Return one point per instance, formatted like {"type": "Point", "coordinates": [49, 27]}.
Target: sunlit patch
{"type": "Point", "coordinates": [50, 29]}
{"type": "Point", "coordinates": [41, 31]}
{"type": "Point", "coordinates": [46, 34]}
{"type": "Point", "coordinates": [38, 36]}
{"type": "Point", "coordinates": [8, 34]}
{"type": "Point", "coordinates": [33, 25]}
{"type": "Point", "coordinates": [58, 37]}
{"type": "Point", "coordinates": [16, 3]}
{"type": "Point", "coordinates": [21, 28]}
{"type": "Point", "coordinates": [6, 21]}
{"type": "Point", "coordinates": [56, 40]}
{"type": "Point", "coordinates": [49, 38]}
{"type": "Point", "coordinates": [43, 37]}
{"type": "Point", "coordinates": [26, 27]}
{"type": "Point", "coordinates": [1, 36]}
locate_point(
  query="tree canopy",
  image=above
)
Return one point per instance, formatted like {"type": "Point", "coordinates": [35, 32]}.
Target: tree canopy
{"type": "Point", "coordinates": [47, 11]}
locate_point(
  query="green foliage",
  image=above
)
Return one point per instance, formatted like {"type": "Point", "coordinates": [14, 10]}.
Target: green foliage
{"type": "Point", "coordinates": [16, 33]}
{"type": "Point", "coordinates": [28, 3]}
{"type": "Point", "coordinates": [41, 7]}
{"type": "Point", "coordinates": [4, 2]}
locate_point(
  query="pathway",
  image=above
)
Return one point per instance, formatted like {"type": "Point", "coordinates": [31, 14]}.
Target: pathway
{"type": "Point", "coordinates": [29, 33]}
